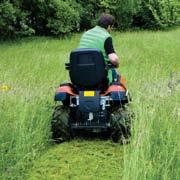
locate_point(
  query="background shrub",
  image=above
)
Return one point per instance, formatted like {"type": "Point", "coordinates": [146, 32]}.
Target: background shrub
{"type": "Point", "coordinates": [13, 21]}
{"type": "Point", "coordinates": [63, 20]}
{"type": "Point", "coordinates": [89, 13]}
{"type": "Point", "coordinates": [38, 12]}
{"type": "Point", "coordinates": [60, 17]}
{"type": "Point", "coordinates": [7, 19]}
{"type": "Point", "coordinates": [157, 14]}
{"type": "Point", "coordinates": [123, 10]}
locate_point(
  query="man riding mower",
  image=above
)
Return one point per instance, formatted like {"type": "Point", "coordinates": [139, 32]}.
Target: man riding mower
{"type": "Point", "coordinates": [90, 103]}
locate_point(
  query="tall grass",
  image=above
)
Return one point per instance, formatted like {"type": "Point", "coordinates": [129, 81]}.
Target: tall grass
{"type": "Point", "coordinates": [33, 68]}
{"type": "Point", "coordinates": [153, 152]}
{"type": "Point", "coordinates": [153, 74]}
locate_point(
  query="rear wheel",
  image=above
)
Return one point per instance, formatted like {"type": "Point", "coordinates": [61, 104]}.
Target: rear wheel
{"type": "Point", "coordinates": [60, 124]}
{"type": "Point", "coordinates": [121, 121]}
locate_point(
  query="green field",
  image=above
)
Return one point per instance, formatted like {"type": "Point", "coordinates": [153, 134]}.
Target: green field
{"type": "Point", "coordinates": [30, 71]}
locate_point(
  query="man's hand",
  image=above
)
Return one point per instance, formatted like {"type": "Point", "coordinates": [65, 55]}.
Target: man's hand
{"type": "Point", "coordinates": [114, 59]}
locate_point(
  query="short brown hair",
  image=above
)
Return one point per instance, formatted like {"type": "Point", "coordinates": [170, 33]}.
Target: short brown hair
{"type": "Point", "coordinates": [105, 20]}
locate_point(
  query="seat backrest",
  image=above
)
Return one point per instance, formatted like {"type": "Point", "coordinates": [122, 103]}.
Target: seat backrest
{"type": "Point", "coordinates": [87, 67]}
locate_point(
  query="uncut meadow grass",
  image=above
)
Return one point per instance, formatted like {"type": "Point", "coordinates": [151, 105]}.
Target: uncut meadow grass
{"type": "Point", "coordinates": [34, 67]}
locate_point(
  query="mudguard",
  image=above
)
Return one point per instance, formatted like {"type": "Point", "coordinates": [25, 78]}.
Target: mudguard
{"type": "Point", "coordinates": [117, 92]}
{"type": "Point", "coordinates": [114, 88]}
{"type": "Point", "coordinates": [63, 92]}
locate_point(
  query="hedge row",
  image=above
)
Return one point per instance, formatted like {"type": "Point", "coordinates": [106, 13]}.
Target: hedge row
{"type": "Point", "coordinates": [60, 17]}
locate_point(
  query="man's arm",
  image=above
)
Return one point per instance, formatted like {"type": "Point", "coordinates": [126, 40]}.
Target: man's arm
{"type": "Point", "coordinates": [114, 59]}
{"type": "Point", "coordinates": [108, 45]}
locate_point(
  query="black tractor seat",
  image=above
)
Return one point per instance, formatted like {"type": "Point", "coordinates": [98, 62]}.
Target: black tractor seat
{"type": "Point", "coordinates": [87, 69]}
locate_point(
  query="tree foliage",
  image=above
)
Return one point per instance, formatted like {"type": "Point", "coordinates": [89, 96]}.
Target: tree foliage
{"type": "Point", "coordinates": [123, 11]}
{"type": "Point", "coordinates": [13, 20]}
{"type": "Point", "coordinates": [157, 14]}
{"type": "Point", "coordinates": [64, 19]}
{"type": "Point", "coordinates": [61, 17]}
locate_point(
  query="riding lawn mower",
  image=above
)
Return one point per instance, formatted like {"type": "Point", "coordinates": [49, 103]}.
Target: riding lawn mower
{"type": "Point", "coordinates": [90, 103]}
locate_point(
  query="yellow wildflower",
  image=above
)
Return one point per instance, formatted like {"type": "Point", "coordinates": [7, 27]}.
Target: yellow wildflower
{"type": "Point", "coordinates": [4, 88]}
